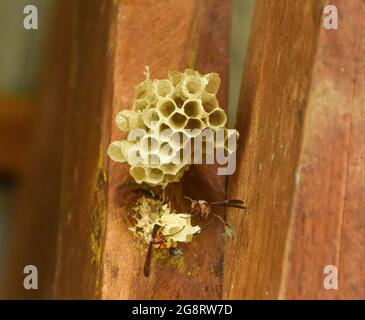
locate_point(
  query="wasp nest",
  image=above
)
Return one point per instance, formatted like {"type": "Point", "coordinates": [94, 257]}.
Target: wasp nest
{"type": "Point", "coordinates": [163, 110]}
{"type": "Point", "coordinates": [176, 227]}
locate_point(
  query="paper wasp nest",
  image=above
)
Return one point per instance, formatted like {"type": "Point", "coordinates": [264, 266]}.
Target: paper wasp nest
{"type": "Point", "coordinates": [176, 227]}
{"type": "Point", "coordinates": [164, 109]}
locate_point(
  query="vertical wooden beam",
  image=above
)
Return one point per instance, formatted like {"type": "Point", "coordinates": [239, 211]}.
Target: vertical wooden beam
{"type": "Point", "coordinates": [302, 166]}
{"type": "Point", "coordinates": [76, 202]}
{"type": "Point", "coordinates": [58, 225]}
{"type": "Point", "coordinates": [275, 88]}
{"type": "Point", "coordinates": [328, 217]}
{"type": "Point", "coordinates": [166, 36]}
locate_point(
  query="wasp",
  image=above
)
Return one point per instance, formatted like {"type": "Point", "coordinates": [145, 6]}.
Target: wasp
{"type": "Point", "coordinates": [159, 239]}
{"type": "Point", "coordinates": [204, 209]}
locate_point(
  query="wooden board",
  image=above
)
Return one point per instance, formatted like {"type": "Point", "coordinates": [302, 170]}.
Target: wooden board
{"type": "Point", "coordinates": [169, 35]}
{"type": "Point", "coordinates": [16, 127]}
{"type": "Point", "coordinates": [97, 56]}
{"type": "Point", "coordinates": [328, 214]}
{"type": "Point", "coordinates": [58, 223]}
{"type": "Point", "coordinates": [301, 171]}
{"type": "Point", "coordinates": [272, 107]}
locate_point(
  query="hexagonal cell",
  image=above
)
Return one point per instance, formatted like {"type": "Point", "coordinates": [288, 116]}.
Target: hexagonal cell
{"type": "Point", "coordinates": [209, 103]}
{"type": "Point", "coordinates": [193, 108]}
{"type": "Point", "coordinates": [163, 88]}
{"type": "Point", "coordinates": [167, 178]}
{"type": "Point", "coordinates": [142, 90]}
{"type": "Point", "coordinates": [165, 132]}
{"type": "Point", "coordinates": [177, 120]}
{"type": "Point", "coordinates": [193, 124]}
{"type": "Point", "coordinates": [149, 145]}
{"type": "Point", "coordinates": [213, 83]}
{"type": "Point", "coordinates": [151, 117]}
{"type": "Point", "coordinates": [191, 72]}
{"type": "Point", "coordinates": [115, 152]}
{"type": "Point", "coordinates": [138, 173]}
{"type": "Point", "coordinates": [154, 175]}
{"type": "Point", "coordinates": [178, 139]}
{"type": "Point", "coordinates": [179, 101]}
{"type": "Point", "coordinates": [141, 104]}
{"type": "Point", "coordinates": [169, 168]}
{"type": "Point", "coordinates": [166, 152]}
{"type": "Point", "coordinates": [217, 119]}
{"type": "Point", "coordinates": [175, 77]}
{"type": "Point", "coordinates": [166, 107]}
{"type": "Point", "coordinates": [122, 120]}
{"type": "Point", "coordinates": [192, 86]}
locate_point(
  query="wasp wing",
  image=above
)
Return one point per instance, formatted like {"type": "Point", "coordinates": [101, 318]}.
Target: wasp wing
{"type": "Point", "coordinates": [229, 203]}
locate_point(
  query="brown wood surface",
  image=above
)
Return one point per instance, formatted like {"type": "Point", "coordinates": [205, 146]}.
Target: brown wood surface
{"type": "Point", "coordinates": [58, 222]}
{"type": "Point", "coordinates": [302, 156]}
{"type": "Point", "coordinates": [16, 129]}
{"type": "Point", "coordinates": [168, 35]}
{"type": "Point", "coordinates": [98, 54]}
{"type": "Point", "coordinates": [270, 121]}
{"type": "Point", "coordinates": [300, 166]}
{"type": "Point", "coordinates": [328, 216]}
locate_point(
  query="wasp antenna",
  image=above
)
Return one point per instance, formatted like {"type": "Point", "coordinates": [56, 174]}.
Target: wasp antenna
{"type": "Point", "coordinates": [189, 198]}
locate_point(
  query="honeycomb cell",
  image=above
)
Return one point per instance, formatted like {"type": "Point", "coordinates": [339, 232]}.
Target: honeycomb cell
{"type": "Point", "coordinates": [151, 117]}
{"type": "Point", "coordinates": [192, 86]}
{"type": "Point", "coordinates": [166, 152]}
{"type": "Point", "coordinates": [175, 77]}
{"type": "Point", "coordinates": [217, 119]}
{"type": "Point", "coordinates": [170, 168]}
{"type": "Point", "coordinates": [178, 139]}
{"type": "Point", "coordinates": [138, 173]}
{"type": "Point", "coordinates": [179, 101]}
{"type": "Point", "coordinates": [141, 104]}
{"type": "Point", "coordinates": [194, 125]}
{"type": "Point", "coordinates": [149, 145]}
{"type": "Point", "coordinates": [213, 82]}
{"type": "Point", "coordinates": [165, 132]}
{"type": "Point", "coordinates": [209, 103]}
{"type": "Point", "coordinates": [177, 120]}
{"type": "Point", "coordinates": [166, 107]}
{"type": "Point", "coordinates": [154, 175]}
{"type": "Point", "coordinates": [122, 120]}
{"type": "Point", "coordinates": [115, 152]}
{"type": "Point", "coordinates": [193, 108]}
{"type": "Point", "coordinates": [163, 88]}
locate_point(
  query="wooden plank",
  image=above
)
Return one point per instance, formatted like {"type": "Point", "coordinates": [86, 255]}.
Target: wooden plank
{"type": "Point", "coordinates": [58, 224]}
{"type": "Point", "coordinates": [73, 193]}
{"type": "Point", "coordinates": [166, 36]}
{"type": "Point", "coordinates": [16, 124]}
{"type": "Point", "coordinates": [275, 88]}
{"type": "Point", "coordinates": [328, 215]}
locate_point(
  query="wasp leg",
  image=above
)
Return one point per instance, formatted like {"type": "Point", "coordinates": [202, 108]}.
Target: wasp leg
{"type": "Point", "coordinates": [221, 219]}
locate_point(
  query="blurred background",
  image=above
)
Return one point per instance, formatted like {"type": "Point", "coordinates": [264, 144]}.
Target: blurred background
{"type": "Point", "coordinates": [21, 56]}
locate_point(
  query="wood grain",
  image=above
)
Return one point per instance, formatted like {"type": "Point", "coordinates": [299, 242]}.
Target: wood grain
{"type": "Point", "coordinates": [16, 128]}
{"type": "Point", "coordinates": [169, 35]}
{"type": "Point", "coordinates": [272, 106]}
{"type": "Point", "coordinates": [328, 213]}
{"type": "Point", "coordinates": [58, 223]}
